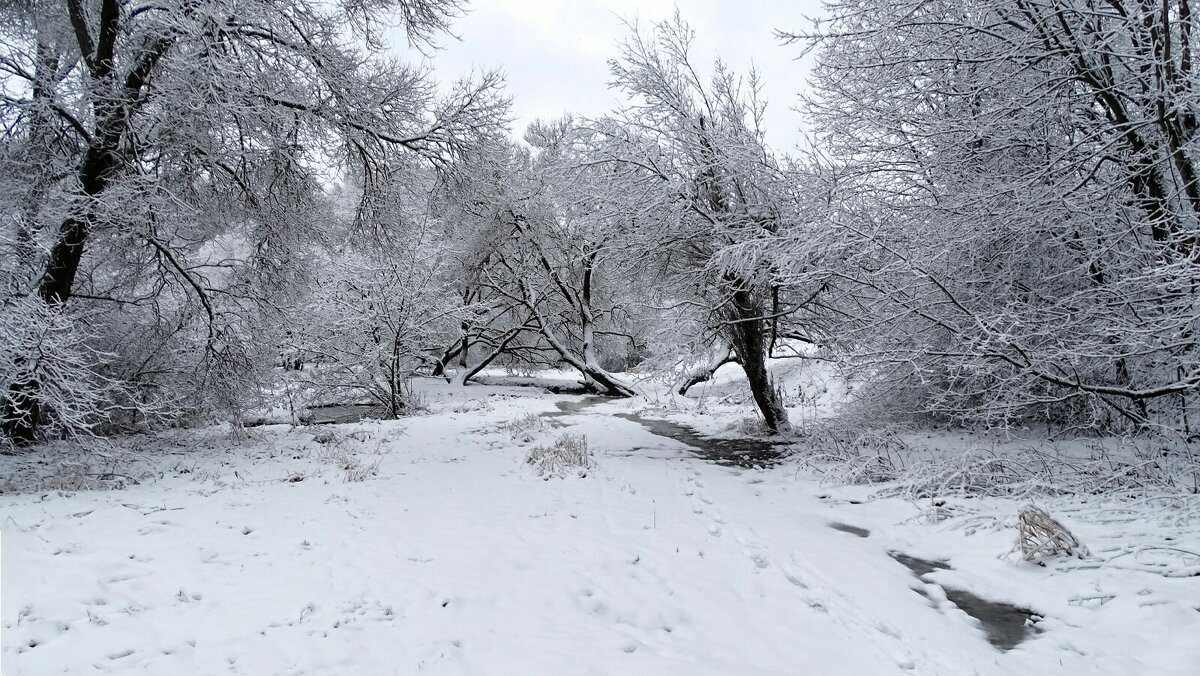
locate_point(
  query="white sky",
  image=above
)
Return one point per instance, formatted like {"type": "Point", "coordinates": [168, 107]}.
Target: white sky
{"type": "Point", "coordinates": [555, 52]}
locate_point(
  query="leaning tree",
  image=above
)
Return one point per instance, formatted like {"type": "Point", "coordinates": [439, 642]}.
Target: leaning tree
{"type": "Point", "coordinates": [699, 142]}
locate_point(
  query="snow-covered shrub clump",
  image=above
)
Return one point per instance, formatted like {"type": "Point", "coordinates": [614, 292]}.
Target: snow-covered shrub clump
{"type": "Point", "coordinates": [525, 428]}
{"type": "Point", "coordinates": [1042, 537]}
{"type": "Point", "coordinates": [569, 454]}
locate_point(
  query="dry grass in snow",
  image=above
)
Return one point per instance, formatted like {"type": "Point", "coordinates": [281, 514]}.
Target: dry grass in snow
{"type": "Point", "coordinates": [569, 454]}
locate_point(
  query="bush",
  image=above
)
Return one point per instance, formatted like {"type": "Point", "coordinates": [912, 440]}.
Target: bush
{"type": "Point", "coordinates": [751, 426]}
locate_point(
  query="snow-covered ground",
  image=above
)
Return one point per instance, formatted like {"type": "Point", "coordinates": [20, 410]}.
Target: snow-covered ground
{"type": "Point", "coordinates": [428, 545]}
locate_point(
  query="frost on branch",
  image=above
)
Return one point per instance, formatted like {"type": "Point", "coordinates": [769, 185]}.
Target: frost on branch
{"type": "Point", "coordinates": [1041, 537]}
{"type": "Point", "coordinates": [42, 343]}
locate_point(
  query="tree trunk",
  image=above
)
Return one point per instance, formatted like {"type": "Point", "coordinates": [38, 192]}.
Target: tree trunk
{"type": "Point", "coordinates": [747, 333]}
{"type": "Point", "coordinates": [594, 374]}
{"type": "Point", "coordinates": [595, 377]}
{"type": "Point", "coordinates": [22, 412]}
{"type": "Point", "coordinates": [113, 103]}
{"type": "Point", "coordinates": [439, 367]}
{"type": "Point", "coordinates": [22, 406]}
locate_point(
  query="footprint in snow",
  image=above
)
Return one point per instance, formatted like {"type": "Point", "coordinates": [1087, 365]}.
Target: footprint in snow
{"type": "Point", "coordinates": [888, 630]}
{"type": "Point", "coordinates": [714, 529]}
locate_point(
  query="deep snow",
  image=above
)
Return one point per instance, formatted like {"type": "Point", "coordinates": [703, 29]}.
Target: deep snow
{"type": "Point", "coordinates": [256, 553]}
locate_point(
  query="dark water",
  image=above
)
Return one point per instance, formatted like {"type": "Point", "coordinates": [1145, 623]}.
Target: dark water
{"type": "Point", "coordinates": [847, 528]}
{"type": "Point", "coordinates": [1006, 625]}
{"type": "Point", "coordinates": [348, 413]}
{"type": "Point", "coordinates": [749, 453]}
{"type": "Point", "coordinates": [575, 407]}
{"type": "Point", "coordinates": [552, 386]}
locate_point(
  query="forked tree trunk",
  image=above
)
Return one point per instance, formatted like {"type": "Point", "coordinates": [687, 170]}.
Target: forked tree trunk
{"type": "Point", "coordinates": [115, 100]}
{"type": "Point", "coordinates": [448, 355]}
{"type": "Point", "coordinates": [594, 375]}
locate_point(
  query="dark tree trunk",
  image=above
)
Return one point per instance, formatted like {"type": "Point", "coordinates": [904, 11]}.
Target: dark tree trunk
{"type": "Point", "coordinates": [747, 332]}
{"type": "Point", "coordinates": [22, 405]}
{"type": "Point", "coordinates": [439, 367]}
{"type": "Point", "coordinates": [22, 412]}
{"type": "Point", "coordinates": [603, 382]}
{"type": "Point", "coordinates": [115, 100]}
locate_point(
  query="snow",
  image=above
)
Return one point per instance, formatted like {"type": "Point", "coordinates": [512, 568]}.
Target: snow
{"type": "Point", "coordinates": [260, 553]}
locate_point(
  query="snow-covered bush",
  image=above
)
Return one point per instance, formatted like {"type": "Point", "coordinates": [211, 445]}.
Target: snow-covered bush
{"type": "Point", "coordinates": [848, 449]}
{"type": "Point", "coordinates": [569, 454]}
{"type": "Point", "coordinates": [852, 452]}
{"type": "Point", "coordinates": [470, 406]}
{"type": "Point", "coordinates": [751, 426]}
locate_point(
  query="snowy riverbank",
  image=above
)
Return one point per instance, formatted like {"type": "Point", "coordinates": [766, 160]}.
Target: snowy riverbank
{"type": "Point", "coordinates": [262, 553]}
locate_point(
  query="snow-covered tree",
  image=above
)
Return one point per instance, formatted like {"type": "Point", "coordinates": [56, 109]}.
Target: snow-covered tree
{"type": "Point", "coordinates": [698, 144]}
{"type": "Point", "coordinates": [171, 162]}
{"type": "Point", "coordinates": [1018, 195]}
{"type": "Point", "coordinates": [546, 259]}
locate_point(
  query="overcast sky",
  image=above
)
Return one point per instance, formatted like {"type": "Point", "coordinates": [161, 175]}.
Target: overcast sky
{"type": "Point", "coordinates": [555, 52]}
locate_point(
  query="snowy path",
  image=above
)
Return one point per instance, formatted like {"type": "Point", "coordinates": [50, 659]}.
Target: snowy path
{"type": "Point", "coordinates": [456, 559]}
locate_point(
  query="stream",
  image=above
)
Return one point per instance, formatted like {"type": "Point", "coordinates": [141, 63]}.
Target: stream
{"type": "Point", "coordinates": [743, 452]}
{"type": "Point", "coordinates": [1005, 625]}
